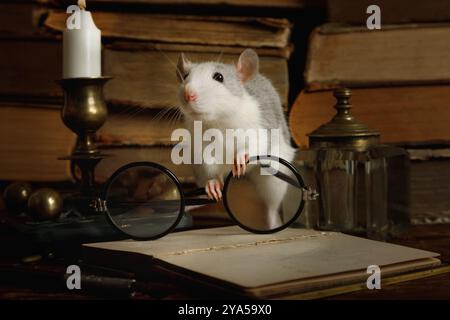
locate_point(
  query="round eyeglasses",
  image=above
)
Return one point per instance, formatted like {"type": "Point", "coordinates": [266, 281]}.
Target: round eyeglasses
{"type": "Point", "coordinates": [146, 201]}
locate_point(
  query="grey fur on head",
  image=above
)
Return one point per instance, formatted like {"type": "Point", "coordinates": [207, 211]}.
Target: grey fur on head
{"type": "Point", "coordinates": [245, 75]}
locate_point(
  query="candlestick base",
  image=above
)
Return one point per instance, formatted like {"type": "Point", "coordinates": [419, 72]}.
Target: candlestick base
{"type": "Point", "coordinates": [86, 163]}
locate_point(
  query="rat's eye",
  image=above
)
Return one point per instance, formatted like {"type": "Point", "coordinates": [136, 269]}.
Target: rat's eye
{"type": "Point", "coordinates": [185, 75]}
{"type": "Point", "coordinates": [218, 77]}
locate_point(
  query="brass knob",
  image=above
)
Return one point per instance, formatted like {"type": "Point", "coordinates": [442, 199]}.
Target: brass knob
{"type": "Point", "coordinates": [45, 204]}
{"type": "Point", "coordinates": [16, 196]}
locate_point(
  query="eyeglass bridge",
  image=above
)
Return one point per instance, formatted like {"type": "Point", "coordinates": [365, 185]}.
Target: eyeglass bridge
{"type": "Point", "coordinates": [99, 205]}
{"type": "Point", "coordinates": [309, 194]}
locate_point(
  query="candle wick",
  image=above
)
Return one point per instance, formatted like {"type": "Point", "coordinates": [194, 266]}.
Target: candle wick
{"type": "Point", "coordinates": [82, 4]}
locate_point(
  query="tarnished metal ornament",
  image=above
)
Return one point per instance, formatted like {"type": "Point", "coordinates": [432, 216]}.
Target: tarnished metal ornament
{"type": "Point", "coordinates": [16, 196]}
{"type": "Point", "coordinates": [45, 204]}
{"type": "Point", "coordinates": [344, 131]}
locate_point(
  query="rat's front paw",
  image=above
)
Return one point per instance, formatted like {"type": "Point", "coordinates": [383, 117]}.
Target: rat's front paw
{"type": "Point", "coordinates": [213, 189]}
{"type": "Point", "coordinates": [240, 164]}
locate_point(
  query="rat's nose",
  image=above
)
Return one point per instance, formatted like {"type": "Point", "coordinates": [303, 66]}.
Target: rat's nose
{"type": "Point", "coordinates": [189, 95]}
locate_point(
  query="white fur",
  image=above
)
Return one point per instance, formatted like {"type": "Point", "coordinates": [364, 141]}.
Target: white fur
{"type": "Point", "coordinates": [218, 108]}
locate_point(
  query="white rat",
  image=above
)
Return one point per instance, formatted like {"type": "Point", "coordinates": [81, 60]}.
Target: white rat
{"type": "Point", "coordinates": [226, 96]}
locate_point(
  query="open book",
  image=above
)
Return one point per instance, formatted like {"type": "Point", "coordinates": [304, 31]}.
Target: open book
{"type": "Point", "coordinates": [262, 266]}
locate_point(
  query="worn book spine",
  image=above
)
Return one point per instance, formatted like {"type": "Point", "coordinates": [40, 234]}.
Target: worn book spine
{"type": "Point", "coordinates": [32, 138]}
{"type": "Point", "coordinates": [430, 183]}
{"type": "Point", "coordinates": [21, 18]}
{"type": "Point", "coordinates": [401, 114]}
{"type": "Point", "coordinates": [150, 77]}
{"type": "Point", "coordinates": [392, 11]}
{"type": "Point", "coordinates": [122, 154]}
{"type": "Point", "coordinates": [140, 126]}
{"type": "Point", "coordinates": [275, 4]}
{"type": "Point", "coordinates": [142, 76]}
{"type": "Point", "coordinates": [228, 31]}
{"type": "Point", "coordinates": [394, 55]}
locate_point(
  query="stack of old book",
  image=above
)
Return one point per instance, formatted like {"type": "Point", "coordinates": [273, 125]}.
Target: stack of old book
{"type": "Point", "coordinates": [400, 77]}
{"type": "Point", "coordinates": [140, 50]}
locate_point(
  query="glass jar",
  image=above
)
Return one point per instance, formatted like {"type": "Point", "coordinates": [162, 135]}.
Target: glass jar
{"type": "Point", "coordinates": [363, 185]}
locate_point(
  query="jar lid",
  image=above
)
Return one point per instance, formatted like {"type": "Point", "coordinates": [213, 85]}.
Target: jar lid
{"type": "Point", "coordinates": [343, 129]}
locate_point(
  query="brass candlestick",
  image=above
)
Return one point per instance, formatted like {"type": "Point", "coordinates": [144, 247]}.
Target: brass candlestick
{"type": "Point", "coordinates": [84, 112]}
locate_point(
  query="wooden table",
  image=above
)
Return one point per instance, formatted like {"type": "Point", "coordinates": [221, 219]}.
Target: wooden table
{"type": "Point", "coordinates": [43, 279]}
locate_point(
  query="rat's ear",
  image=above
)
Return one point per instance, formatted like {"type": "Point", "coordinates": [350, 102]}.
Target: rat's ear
{"type": "Point", "coordinates": [248, 65]}
{"type": "Point", "coordinates": [183, 67]}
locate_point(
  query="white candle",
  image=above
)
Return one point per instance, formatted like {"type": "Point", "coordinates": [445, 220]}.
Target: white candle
{"type": "Point", "coordinates": [82, 47]}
